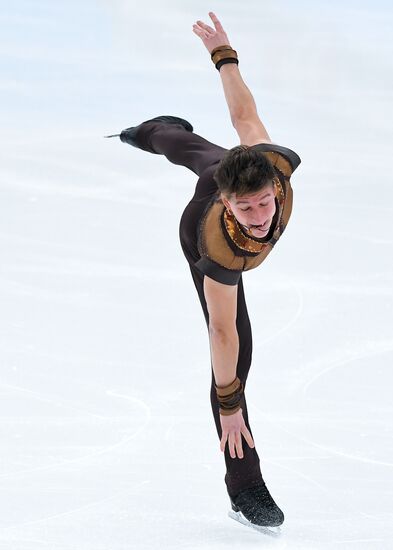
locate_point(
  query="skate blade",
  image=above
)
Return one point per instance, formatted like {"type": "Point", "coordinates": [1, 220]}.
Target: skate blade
{"type": "Point", "coordinates": [266, 530]}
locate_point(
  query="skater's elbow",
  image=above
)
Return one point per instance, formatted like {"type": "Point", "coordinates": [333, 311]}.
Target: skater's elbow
{"type": "Point", "coordinates": [222, 331]}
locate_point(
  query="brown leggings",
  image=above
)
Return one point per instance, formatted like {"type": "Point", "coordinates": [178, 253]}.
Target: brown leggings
{"type": "Point", "coordinates": [199, 155]}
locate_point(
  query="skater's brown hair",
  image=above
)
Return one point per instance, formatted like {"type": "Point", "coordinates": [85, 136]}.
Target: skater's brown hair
{"type": "Point", "coordinates": [243, 171]}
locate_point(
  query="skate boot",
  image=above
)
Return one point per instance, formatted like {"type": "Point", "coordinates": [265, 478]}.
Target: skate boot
{"type": "Point", "coordinates": [129, 134]}
{"type": "Point", "coordinates": [256, 508]}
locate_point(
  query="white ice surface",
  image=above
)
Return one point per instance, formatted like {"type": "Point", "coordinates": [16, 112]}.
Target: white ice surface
{"type": "Point", "coordinates": [103, 344]}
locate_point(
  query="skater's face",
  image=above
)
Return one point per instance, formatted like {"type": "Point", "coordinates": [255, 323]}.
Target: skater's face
{"type": "Point", "coordinates": [254, 212]}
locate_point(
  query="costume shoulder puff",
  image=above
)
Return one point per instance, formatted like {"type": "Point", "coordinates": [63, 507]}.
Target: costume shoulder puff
{"type": "Point", "coordinates": [219, 273]}
{"type": "Point", "coordinates": [283, 158]}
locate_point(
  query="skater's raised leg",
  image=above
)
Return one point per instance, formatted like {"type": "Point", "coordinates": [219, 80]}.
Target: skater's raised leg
{"type": "Point", "coordinates": [174, 138]}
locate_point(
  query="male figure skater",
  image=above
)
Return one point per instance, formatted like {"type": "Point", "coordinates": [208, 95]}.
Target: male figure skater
{"type": "Point", "coordinates": [240, 208]}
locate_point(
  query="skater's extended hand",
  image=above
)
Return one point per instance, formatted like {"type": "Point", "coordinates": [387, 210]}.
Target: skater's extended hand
{"type": "Point", "coordinates": [233, 426]}
{"type": "Point", "coordinates": [209, 36]}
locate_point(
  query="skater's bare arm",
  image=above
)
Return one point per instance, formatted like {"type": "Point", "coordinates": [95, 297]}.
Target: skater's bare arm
{"type": "Point", "coordinates": [242, 107]}
{"type": "Point", "coordinates": [241, 104]}
{"type": "Point", "coordinates": [221, 301]}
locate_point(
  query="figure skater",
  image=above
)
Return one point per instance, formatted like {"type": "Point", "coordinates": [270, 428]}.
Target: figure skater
{"type": "Point", "coordinates": [240, 208]}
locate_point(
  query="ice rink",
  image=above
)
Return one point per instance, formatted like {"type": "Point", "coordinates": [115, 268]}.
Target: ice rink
{"type": "Point", "coordinates": [107, 436]}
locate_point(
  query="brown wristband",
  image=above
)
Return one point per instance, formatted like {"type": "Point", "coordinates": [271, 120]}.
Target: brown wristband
{"type": "Point", "coordinates": [224, 47]}
{"type": "Point", "coordinates": [222, 55]}
{"type": "Point", "coordinates": [229, 397]}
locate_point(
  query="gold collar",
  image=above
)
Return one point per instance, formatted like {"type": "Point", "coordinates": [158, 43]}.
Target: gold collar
{"type": "Point", "coordinates": [238, 237]}
{"type": "Point", "coordinates": [248, 243]}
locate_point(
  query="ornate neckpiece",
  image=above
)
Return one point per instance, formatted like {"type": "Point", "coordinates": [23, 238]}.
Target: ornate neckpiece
{"type": "Point", "coordinates": [250, 243]}
{"type": "Point", "coordinates": [238, 236]}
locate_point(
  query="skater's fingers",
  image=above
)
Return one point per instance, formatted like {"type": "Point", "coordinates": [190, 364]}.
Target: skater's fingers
{"type": "Point", "coordinates": [200, 32]}
{"type": "Point", "coordinates": [216, 22]}
{"type": "Point", "coordinates": [206, 27]}
{"type": "Point", "coordinates": [231, 444]}
{"type": "Point", "coordinates": [223, 441]}
{"type": "Point", "coordinates": [239, 449]}
{"type": "Point", "coordinates": [248, 437]}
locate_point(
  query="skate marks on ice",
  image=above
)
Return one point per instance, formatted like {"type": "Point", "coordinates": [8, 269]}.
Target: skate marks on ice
{"type": "Point", "coordinates": [370, 350]}
{"type": "Point", "coordinates": [138, 403]}
{"type": "Point", "coordinates": [117, 496]}
{"type": "Point", "coordinates": [285, 284]}
{"type": "Point", "coordinates": [330, 424]}
{"type": "Point", "coordinates": [377, 286]}
{"type": "Point", "coordinates": [303, 386]}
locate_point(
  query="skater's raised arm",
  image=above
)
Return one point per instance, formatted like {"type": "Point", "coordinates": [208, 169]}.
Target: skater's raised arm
{"type": "Point", "coordinates": [241, 104]}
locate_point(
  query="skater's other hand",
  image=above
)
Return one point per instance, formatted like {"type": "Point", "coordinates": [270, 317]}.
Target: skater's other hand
{"type": "Point", "coordinates": [209, 36]}
{"type": "Point", "coordinates": [233, 426]}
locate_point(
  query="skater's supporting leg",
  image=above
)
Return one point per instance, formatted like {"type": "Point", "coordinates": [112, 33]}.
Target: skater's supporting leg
{"type": "Point", "coordinates": [241, 472]}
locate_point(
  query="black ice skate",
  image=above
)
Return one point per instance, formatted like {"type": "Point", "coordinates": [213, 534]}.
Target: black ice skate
{"type": "Point", "coordinates": [129, 134]}
{"type": "Point", "coordinates": [256, 508]}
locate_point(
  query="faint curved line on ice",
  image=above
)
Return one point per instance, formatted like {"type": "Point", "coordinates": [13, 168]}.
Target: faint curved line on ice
{"type": "Point", "coordinates": [307, 478]}
{"type": "Point", "coordinates": [69, 512]}
{"type": "Point", "coordinates": [45, 399]}
{"type": "Point", "coordinates": [170, 428]}
{"type": "Point", "coordinates": [353, 457]}
{"type": "Point", "coordinates": [342, 454]}
{"type": "Point", "coordinates": [303, 476]}
{"type": "Point", "coordinates": [330, 449]}
{"type": "Point", "coordinates": [325, 448]}
{"type": "Point", "coordinates": [289, 323]}
{"type": "Point", "coordinates": [102, 451]}
{"type": "Point", "coordinates": [341, 362]}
